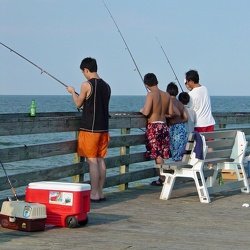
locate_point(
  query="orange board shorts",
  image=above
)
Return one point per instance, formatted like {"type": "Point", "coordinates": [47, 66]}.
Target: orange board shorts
{"type": "Point", "coordinates": [92, 145]}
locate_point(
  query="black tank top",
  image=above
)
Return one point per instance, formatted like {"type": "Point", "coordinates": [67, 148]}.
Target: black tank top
{"type": "Point", "coordinates": [95, 115]}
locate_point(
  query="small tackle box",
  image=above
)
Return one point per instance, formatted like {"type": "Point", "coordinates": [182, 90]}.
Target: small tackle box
{"type": "Point", "coordinates": [23, 216]}
{"type": "Point", "coordinates": [67, 204]}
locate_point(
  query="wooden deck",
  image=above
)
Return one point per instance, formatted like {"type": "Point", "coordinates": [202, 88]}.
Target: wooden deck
{"type": "Point", "coordinates": [137, 219]}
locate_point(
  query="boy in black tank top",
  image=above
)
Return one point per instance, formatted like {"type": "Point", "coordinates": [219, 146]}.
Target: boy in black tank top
{"type": "Point", "coordinates": [93, 136]}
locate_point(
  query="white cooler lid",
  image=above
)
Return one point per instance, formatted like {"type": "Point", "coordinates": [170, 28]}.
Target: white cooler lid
{"type": "Point", "coordinates": [61, 186]}
{"type": "Point", "coordinates": [23, 209]}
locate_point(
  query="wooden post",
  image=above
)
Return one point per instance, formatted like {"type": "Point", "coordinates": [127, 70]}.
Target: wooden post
{"type": "Point", "coordinates": [222, 125]}
{"type": "Point", "coordinates": [124, 150]}
{"type": "Point", "coordinates": [78, 178]}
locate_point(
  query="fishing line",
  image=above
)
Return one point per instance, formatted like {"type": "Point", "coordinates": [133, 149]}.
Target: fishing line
{"type": "Point", "coordinates": [169, 64]}
{"type": "Point", "coordinates": [12, 188]}
{"type": "Point", "coordinates": [125, 43]}
{"type": "Point", "coordinates": [42, 70]}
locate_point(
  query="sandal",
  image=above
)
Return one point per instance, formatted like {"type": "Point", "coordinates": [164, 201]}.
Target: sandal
{"type": "Point", "coordinates": [158, 182]}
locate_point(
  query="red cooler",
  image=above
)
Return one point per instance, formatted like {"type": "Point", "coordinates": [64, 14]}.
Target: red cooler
{"type": "Point", "coordinates": [67, 204]}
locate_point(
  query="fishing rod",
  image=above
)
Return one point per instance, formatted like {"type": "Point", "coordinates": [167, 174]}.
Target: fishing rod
{"type": "Point", "coordinates": [42, 70]}
{"type": "Point", "coordinates": [125, 43]}
{"type": "Point", "coordinates": [12, 188]}
{"type": "Point", "coordinates": [169, 64]}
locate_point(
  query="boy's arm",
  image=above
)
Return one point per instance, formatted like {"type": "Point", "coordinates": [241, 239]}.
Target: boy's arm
{"type": "Point", "coordinates": [78, 100]}
{"type": "Point", "coordinates": [173, 111]}
{"type": "Point", "coordinates": [146, 110]}
{"type": "Point", "coordinates": [184, 116]}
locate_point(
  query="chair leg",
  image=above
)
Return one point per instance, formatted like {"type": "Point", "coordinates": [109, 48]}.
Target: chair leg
{"type": "Point", "coordinates": [212, 179]}
{"type": "Point", "coordinates": [167, 186]}
{"type": "Point", "coordinates": [201, 187]}
{"type": "Point", "coordinates": [245, 189]}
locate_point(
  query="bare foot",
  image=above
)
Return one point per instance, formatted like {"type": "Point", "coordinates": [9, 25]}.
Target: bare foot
{"type": "Point", "coordinates": [94, 197]}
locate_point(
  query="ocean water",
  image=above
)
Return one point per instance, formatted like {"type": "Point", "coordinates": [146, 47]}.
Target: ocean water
{"type": "Point", "coordinates": [64, 103]}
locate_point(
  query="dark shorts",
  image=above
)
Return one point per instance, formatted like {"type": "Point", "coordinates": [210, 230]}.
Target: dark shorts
{"type": "Point", "coordinates": [157, 140]}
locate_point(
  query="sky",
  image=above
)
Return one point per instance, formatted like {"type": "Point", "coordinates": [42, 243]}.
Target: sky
{"type": "Point", "coordinates": [212, 37]}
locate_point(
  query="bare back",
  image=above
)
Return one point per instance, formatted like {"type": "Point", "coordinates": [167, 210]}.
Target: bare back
{"type": "Point", "coordinates": [157, 105]}
{"type": "Point", "coordinates": [179, 117]}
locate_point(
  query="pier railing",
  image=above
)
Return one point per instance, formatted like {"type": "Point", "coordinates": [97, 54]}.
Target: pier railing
{"type": "Point", "coordinates": [43, 148]}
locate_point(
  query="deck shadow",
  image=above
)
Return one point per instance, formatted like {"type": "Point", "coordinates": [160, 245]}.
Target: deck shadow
{"type": "Point", "coordinates": [116, 197]}
{"type": "Point", "coordinates": [97, 219]}
{"type": "Point", "coordinates": [11, 235]}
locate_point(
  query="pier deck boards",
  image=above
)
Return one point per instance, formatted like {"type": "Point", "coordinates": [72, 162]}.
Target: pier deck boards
{"type": "Point", "coordinates": [138, 219]}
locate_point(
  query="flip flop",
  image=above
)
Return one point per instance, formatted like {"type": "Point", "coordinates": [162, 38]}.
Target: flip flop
{"type": "Point", "coordinates": [102, 199]}
{"type": "Point", "coordinates": [158, 182]}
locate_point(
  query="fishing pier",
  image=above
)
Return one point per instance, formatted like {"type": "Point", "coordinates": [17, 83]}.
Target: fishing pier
{"type": "Point", "coordinates": [133, 217]}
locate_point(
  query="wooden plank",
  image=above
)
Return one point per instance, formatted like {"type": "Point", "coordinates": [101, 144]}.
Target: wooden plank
{"type": "Point", "coordinates": [61, 122]}
{"type": "Point", "coordinates": [232, 117]}
{"type": "Point", "coordinates": [39, 125]}
{"type": "Point", "coordinates": [19, 124]}
{"type": "Point", "coordinates": [69, 121]}
{"type": "Point", "coordinates": [58, 172]}
{"type": "Point", "coordinates": [120, 120]}
{"type": "Point", "coordinates": [27, 152]}
{"type": "Point", "coordinates": [126, 140]}
{"type": "Point", "coordinates": [116, 161]}
{"type": "Point", "coordinates": [127, 159]}
{"type": "Point", "coordinates": [130, 177]}
{"type": "Point", "coordinates": [22, 179]}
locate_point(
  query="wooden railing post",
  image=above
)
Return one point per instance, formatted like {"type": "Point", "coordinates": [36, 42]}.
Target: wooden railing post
{"type": "Point", "coordinates": [124, 150]}
{"type": "Point", "coordinates": [78, 178]}
{"type": "Point", "coordinates": [222, 125]}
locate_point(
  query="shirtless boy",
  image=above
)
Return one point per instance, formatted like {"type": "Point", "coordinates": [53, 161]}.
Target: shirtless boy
{"type": "Point", "coordinates": [157, 105]}
{"type": "Point", "coordinates": [177, 128]}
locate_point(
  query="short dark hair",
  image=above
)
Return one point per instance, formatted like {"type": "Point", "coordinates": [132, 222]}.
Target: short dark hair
{"type": "Point", "coordinates": [150, 79]}
{"type": "Point", "coordinates": [172, 89]}
{"type": "Point", "coordinates": [89, 63]}
{"type": "Point", "coordinates": [184, 97]}
{"type": "Point", "coordinates": [192, 75]}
